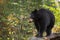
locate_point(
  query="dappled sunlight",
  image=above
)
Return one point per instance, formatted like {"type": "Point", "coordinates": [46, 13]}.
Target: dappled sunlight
{"type": "Point", "coordinates": [15, 22]}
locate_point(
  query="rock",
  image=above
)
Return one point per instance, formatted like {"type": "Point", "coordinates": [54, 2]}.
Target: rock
{"type": "Point", "coordinates": [36, 38]}
{"type": "Point", "coordinates": [54, 36]}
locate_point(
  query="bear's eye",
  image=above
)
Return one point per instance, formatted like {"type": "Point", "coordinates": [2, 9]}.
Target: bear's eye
{"type": "Point", "coordinates": [32, 16]}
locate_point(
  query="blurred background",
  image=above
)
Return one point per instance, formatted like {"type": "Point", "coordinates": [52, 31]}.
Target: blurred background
{"type": "Point", "coordinates": [14, 17]}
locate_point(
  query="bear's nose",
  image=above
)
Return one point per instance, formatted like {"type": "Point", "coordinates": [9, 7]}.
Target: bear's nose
{"type": "Point", "coordinates": [30, 20]}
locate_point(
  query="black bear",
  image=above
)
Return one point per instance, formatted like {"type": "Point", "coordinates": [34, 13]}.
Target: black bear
{"type": "Point", "coordinates": [44, 21]}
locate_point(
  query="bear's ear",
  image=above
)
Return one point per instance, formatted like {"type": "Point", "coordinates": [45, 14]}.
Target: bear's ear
{"type": "Point", "coordinates": [35, 10]}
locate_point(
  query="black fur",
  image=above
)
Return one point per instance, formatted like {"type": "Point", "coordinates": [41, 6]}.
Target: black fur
{"type": "Point", "coordinates": [44, 21]}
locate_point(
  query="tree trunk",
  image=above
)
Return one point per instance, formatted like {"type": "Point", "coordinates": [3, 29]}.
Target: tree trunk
{"type": "Point", "coordinates": [55, 36]}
